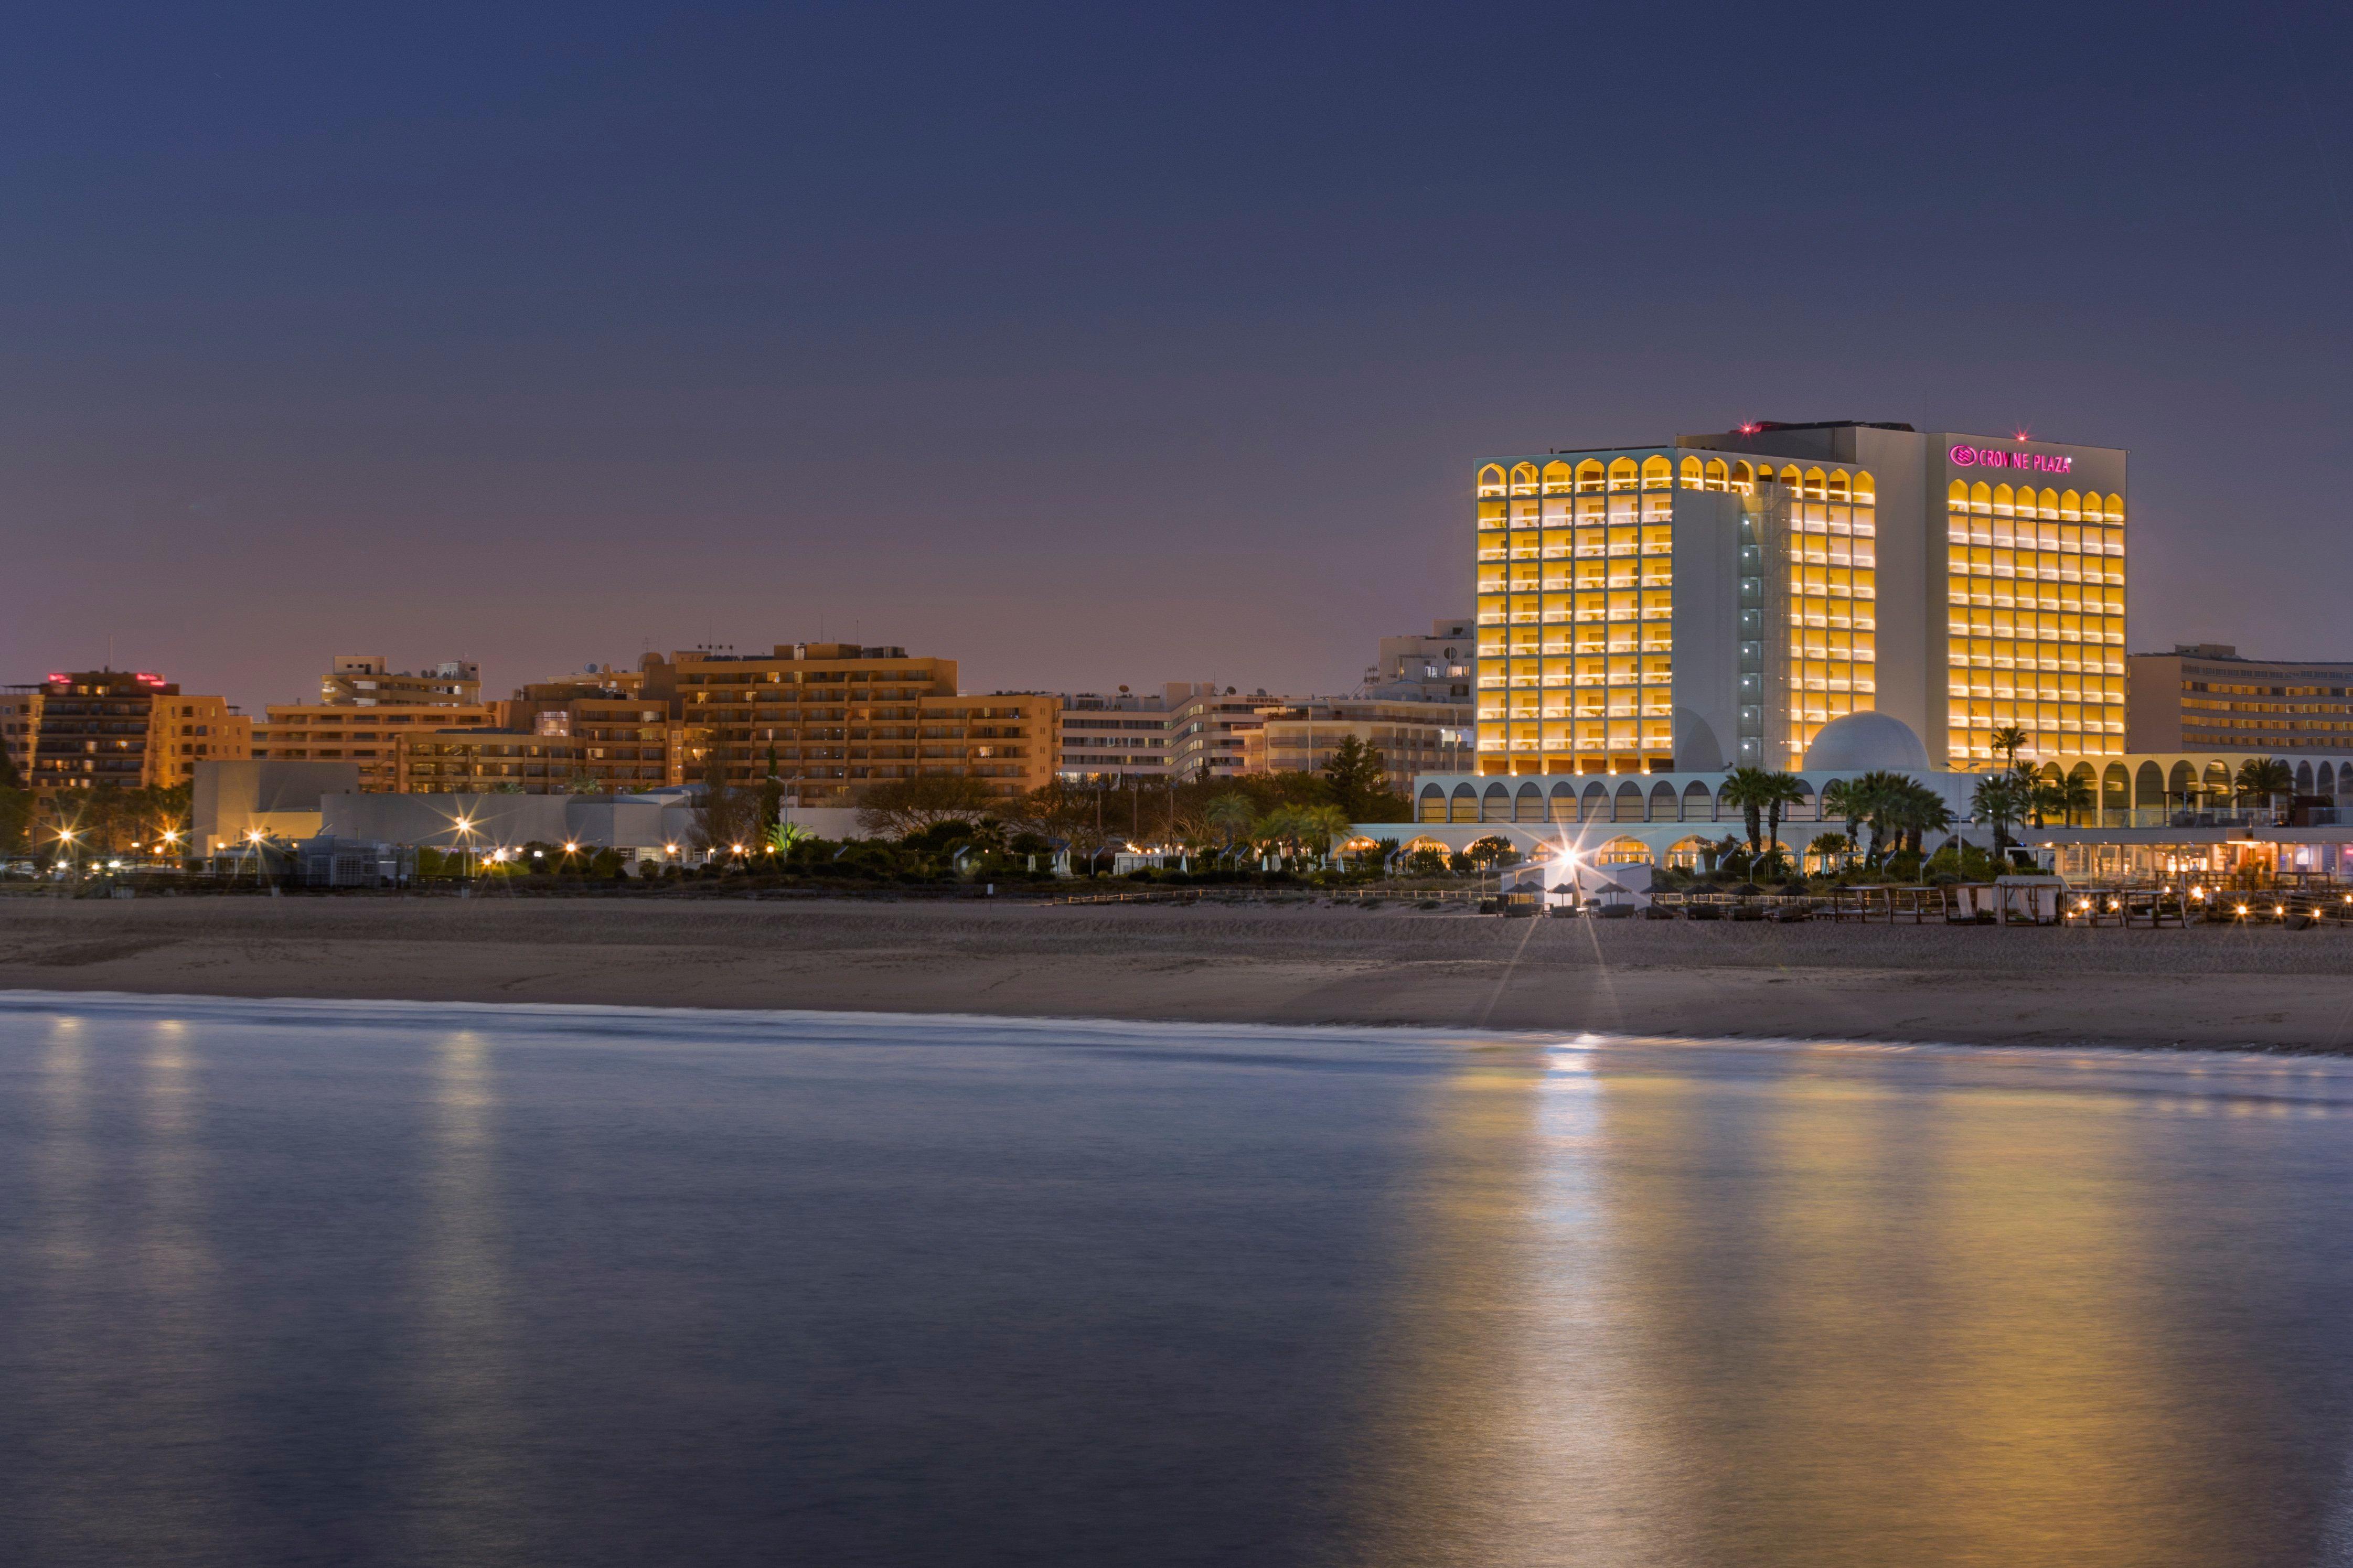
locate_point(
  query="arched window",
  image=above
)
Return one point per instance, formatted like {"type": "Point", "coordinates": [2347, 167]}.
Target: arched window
{"type": "Point", "coordinates": [1981, 497]}
{"type": "Point", "coordinates": [2327, 783]}
{"type": "Point", "coordinates": [2047, 504]}
{"type": "Point", "coordinates": [1564, 802]}
{"type": "Point", "coordinates": [1956, 495]}
{"type": "Point", "coordinates": [1718, 476]}
{"type": "Point", "coordinates": [1657, 473]}
{"type": "Point", "coordinates": [1524, 479]}
{"type": "Point", "coordinates": [1694, 478]}
{"type": "Point", "coordinates": [1560, 478]}
{"type": "Point", "coordinates": [2001, 500]}
{"type": "Point", "coordinates": [1628, 803]}
{"type": "Point", "coordinates": [2115, 508]}
{"type": "Point", "coordinates": [2180, 782]}
{"type": "Point", "coordinates": [2303, 778]}
{"type": "Point", "coordinates": [2116, 794]}
{"type": "Point", "coordinates": [1837, 484]}
{"type": "Point", "coordinates": [1597, 801]}
{"type": "Point", "coordinates": [1699, 804]}
{"type": "Point", "coordinates": [1866, 492]}
{"type": "Point", "coordinates": [1589, 474]}
{"type": "Point", "coordinates": [1495, 804]}
{"type": "Point", "coordinates": [1793, 480]}
{"type": "Point", "coordinates": [1433, 804]}
{"type": "Point", "coordinates": [1465, 803]}
{"type": "Point", "coordinates": [1623, 475]}
{"type": "Point", "coordinates": [1802, 808]}
{"type": "Point", "coordinates": [1814, 484]}
{"type": "Point", "coordinates": [1662, 802]}
{"type": "Point", "coordinates": [1744, 477]}
{"type": "Point", "coordinates": [1491, 480]}
{"type": "Point", "coordinates": [1528, 804]}
{"type": "Point", "coordinates": [2149, 786]}
{"type": "Point", "coordinates": [2070, 506]}
{"type": "Point", "coordinates": [1684, 854]}
{"type": "Point", "coordinates": [2218, 781]}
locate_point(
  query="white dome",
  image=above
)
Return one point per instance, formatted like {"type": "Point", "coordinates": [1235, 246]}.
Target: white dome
{"type": "Point", "coordinates": [1861, 741]}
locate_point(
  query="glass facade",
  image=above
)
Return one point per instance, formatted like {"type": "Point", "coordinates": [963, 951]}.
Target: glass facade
{"type": "Point", "coordinates": [2035, 587]}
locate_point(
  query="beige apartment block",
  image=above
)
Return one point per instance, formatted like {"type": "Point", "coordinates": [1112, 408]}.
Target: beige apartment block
{"type": "Point", "coordinates": [368, 680]}
{"type": "Point", "coordinates": [370, 737]}
{"type": "Point", "coordinates": [2205, 696]}
{"type": "Point", "coordinates": [836, 715]}
{"type": "Point", "coordinates": [134, 729]}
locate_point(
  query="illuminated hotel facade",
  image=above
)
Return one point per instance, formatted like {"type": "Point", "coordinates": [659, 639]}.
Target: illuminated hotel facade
{"type": "Point", "coordinates": [1717, 600]}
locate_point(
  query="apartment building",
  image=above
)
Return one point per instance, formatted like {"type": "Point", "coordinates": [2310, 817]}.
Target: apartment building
{"type": "Point", "coordinates": [78, 728]}
{"type": "Point", "coordinates": [829, 716]}
{"type": "Point", "coordinates": [1412, 736]}
{"type": "Point", "coordinates": [1208, 729]}
{"type": "Point", "coordinates": [1438, 667]}
{"type": "Point", "coordinates": [1124, 735]}
{"type": "Point", "coordinates": [368, 680]}
{"type": "Point", "coordinates": [2205, 695]}
{"type": "Point", "coordinates": [626, 741]}
{"type": "Point", "coordinates": [369, 736]}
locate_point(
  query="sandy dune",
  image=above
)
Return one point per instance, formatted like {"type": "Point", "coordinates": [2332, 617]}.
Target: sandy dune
{"type": "Point", "coordinates": [2267, 988]}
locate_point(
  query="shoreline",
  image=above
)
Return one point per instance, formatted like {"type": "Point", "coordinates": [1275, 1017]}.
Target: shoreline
{"type": "Point", "coordinates": [2206, 988]}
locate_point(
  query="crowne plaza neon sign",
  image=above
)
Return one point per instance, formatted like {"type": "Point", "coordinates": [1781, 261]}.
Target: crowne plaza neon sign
{"type": "Point", "coordinates": [1967, 457]}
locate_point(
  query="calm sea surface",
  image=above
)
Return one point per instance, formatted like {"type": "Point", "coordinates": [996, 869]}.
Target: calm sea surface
{"type": "Point", "coordinates": [297, 1283]}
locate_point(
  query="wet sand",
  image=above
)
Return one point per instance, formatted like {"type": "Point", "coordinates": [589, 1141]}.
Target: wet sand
{"type": "Point", "coordinates": [2263, 988]}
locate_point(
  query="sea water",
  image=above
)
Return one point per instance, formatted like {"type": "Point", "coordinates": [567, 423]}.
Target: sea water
{"type": "Point", "coordinates": [298, 1282]}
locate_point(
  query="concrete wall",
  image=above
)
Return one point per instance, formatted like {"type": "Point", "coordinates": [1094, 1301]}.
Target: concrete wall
{"type": "Point", "coordinates": [231, 799]}
{"type": "Point", "coordinates": [1706, 629]}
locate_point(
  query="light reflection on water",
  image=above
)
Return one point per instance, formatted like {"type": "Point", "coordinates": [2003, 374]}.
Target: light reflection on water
{"type": "Point", "coordinates": [375, 1283]}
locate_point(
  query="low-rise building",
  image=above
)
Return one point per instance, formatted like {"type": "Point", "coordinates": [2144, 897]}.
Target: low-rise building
{"type": "Point", "coordinates": [2205, 695]}
{"type": "Point", "coordinates": [78, 728]}
{"type": "Point", "coordinates": [513, 761]}
{"type": "Point", "coordinates": [232, 801]}
{"type": "Point", "coordinates": [1412, 736]}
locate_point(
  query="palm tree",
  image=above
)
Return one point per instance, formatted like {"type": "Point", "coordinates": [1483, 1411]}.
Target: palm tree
{"type": "Point", "coordinates": [1874, 799]}
{"type": "Point", "coordinates": [2065, 795]}
{"type": "Point", "coordinates": [1751, 789]}
{"type": "Point", "coordinates": [2001, 800]}
{"type": "Point", "coordinates": [1830, 847]}
{"type": "Point", "coordinates": [1842, 802]}
{"type": "Point", "coordinates": [2265, 779]}
{"type": "Point", "coordinates": [1919, 811]}
{"type": "Point", "coordinates": [1232, 817]}
{"type": "Point", "coordinates": [2009, 741]}
{"type": "Point", "coordinates": [1780, 790]}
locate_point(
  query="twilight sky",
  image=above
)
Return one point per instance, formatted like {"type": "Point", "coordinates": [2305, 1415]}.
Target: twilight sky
{"type": "Point", "coordinates": [1099, 344]}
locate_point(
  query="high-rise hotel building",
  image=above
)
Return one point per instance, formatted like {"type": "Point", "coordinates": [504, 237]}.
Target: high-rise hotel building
{"type": "Point", "coordinates": [1719, 600]}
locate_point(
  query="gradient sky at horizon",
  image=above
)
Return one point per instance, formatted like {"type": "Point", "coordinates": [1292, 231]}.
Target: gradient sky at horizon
{"type": "Point", "coordinates": [1092, 345]}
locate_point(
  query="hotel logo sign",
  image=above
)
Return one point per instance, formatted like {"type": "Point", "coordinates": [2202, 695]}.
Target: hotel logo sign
{"type": "Point", "coordinates": [1995, 458]}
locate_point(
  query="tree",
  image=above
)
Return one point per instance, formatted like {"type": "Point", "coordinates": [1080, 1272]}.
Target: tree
{"type": "Point", "coordinates": [2000, 800]}
{"type": "Point", "coordinates": [892, 808]}
{"type": "Point", "coordinates": [1490, 851]}
{"type": "Point", "coordinates": [1360, 777]}
{"type": "Point", "coordinates": [1066, 817]}
{"type": "Point", "coordinates": [10, 779]}
{"type": "Point", "coordinates": [1780, 790]}
{"type": "Point", "coordinates": [1231, 818]}
{"type": "Point", "coordinates": [16, 820]}
{"type": "Point", "coordinates": [722, 817]}
{"type": "Point", "coordinates": [1830, 847]}
{"type": "Point", "coordinates": [1750, 789]}
{"type": "Point", "coordinates": [1918, 811]}
{"type": "Point", "coordinates": [2065, 796]}
{"type": "Point", "coordinates": [1842, 802]}
{"type": "Point", "coordinates": [784, 836]}
{"type": "Point", "coordinates": [2265, 779]}
{"type": "Point", "coordinates": [2009, 740]}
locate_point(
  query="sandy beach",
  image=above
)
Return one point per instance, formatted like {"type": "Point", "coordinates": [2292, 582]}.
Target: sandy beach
{"type": "Point", "coordinates": [2263, 988]}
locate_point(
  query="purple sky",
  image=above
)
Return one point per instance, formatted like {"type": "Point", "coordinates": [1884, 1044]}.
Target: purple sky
{"type": "Point", "coordinates": [1093, 344]}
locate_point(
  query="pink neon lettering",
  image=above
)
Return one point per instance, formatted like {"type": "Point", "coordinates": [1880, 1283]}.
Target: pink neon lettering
{"type": "Point", "coordinates": [1964, 456]}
